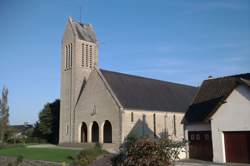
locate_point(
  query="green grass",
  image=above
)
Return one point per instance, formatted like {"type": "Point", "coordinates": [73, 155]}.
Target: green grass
{"type": "Point", "coordinates": [48, 154]}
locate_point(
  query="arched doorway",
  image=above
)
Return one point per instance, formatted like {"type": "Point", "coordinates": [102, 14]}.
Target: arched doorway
{"type": "Point", "coordinates": [84, 132]}
{"type": "Point", "coordinates": [95, 132]}
{"type": "Point", "coordinates": [107, 132]}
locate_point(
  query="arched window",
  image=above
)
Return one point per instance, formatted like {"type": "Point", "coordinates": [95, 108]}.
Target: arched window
{"type": "Point", "coordinates": [95, 132]}
{"type": "Point", "coordinates": [107, 132]}
{"type": "Point", "coordinates": [84, 132]}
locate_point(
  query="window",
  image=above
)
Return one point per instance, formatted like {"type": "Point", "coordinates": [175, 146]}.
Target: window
{"type": "Point", "coordinates": [82, 55]}
{"type": "Point", "coordinates": [87, 55]}
{"type": "Point", "coordinates": [206, 137]}
{"type": "Point", "coordinates": [174, 120]}
{"type": "Point", "coordinates": [154, 121]}
{"type": "Point", "coordinates": [66, 57]}
{"type": "Point", "coordinates": [67, 129]}
{"type": "Point", "coordinates": [143, 124]}
{"type": "Point", "coordinates": [192, 137]}
{"type": "Point", "coordinates": [90, 56]}
{"type": "Point", "coordinates": [70, 57]}
{"type": "Point", "coordinates": [198, 137]}
{"type": "Point", "coordinates": [132, 117]}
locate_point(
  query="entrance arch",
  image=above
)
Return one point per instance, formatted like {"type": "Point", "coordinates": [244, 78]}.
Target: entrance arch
{"type": "Point", "coordinates": [95, 132]}
{"type": "Point", "coordinates": [107, 132]}
{"type": "Point", "coordinates": [84, 132]}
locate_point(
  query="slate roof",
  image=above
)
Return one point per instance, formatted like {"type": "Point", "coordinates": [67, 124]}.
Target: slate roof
{"type": "Point", "coordinates": [211, 95]}
{"type": "Point", "coordinates": [136, 92]}
{"type": "Point", "coordinates": [84, 31]}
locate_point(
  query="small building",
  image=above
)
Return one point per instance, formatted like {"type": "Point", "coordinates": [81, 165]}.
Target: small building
{"type": "Point", "coordinates": [217, 123]}
{"type": "Point", "coordinates": [21, 131]}
{"type": "Point", "coordinates": [105, 106]}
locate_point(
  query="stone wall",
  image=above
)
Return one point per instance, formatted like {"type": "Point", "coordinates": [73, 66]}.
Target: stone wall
{"type": "Point", "coordinates": [165, 125]}
{"type": "Point", "coordinates": [6, 161]}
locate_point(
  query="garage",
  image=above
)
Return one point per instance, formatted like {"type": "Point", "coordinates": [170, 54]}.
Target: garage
{"type": "Point", "coordinates": [200, 145]}
{"type": "Point", "coordinates": [237, 147]}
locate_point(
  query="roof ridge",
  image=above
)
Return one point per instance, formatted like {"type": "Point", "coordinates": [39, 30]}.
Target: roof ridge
{"type": "Point", "coordinates": [228, 76]}
{"type": "Point", "coordinates": [147, 78]}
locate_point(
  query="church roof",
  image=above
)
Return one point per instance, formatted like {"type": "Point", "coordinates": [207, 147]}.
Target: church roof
{"type": "Point", "coordinates": [136, 92]}
{"type": "Point", "coordinates": [211, 95]}
{"type": "Point", "coordinates": [84, 31]}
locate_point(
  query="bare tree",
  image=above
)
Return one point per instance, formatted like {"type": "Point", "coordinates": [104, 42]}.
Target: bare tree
{"type": "Point", "coordinates": [4, 114]}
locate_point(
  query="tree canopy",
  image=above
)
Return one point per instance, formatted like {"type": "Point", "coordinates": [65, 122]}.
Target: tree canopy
{"type": "Point", "coordinates": [4, 114]}
{"type": "Point", "coordinates": [48, 125]}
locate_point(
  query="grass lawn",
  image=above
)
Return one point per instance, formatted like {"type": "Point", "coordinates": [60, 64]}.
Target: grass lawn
{"type": "Point", "coordinates": [48, 154]}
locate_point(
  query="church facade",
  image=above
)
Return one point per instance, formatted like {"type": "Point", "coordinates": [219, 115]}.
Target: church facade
{"type": "Point", "coordinates": [106, 106]}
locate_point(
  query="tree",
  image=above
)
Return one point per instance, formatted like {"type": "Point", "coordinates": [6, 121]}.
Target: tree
{"type": "Point", "coordinates": [4, 114]}
{"type": "Point", "coordinates": [48, 124]}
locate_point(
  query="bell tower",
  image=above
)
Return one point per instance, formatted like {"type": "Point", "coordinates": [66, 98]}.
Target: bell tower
{"type": "Point", "coordinates": [79, 56]}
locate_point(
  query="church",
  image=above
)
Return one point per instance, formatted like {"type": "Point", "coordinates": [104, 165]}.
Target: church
{"type": "Point", "coordinates": [101, 106]}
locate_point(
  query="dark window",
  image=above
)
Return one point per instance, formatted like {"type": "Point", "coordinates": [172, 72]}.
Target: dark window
{"type": "Point", "coordinates": [174, 119]}
{"type": "Point", "coordinates": [192, 137]}
{"type": "Point", "coordinates": [132, 117]}
{"type": "Point", "coordinates": [206, 137]}
{"type": "Point", "coordinates": [154, 120]}
{"type": "Point", "coordinates": [198, 137]}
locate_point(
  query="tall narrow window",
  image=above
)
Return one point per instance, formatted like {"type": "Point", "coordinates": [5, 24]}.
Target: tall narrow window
{"type": "Point", "coordinates": [82, 55]}
{"type": "Point", "coordinates": [66, 57]}
{"type": "Point", "coordinates": [67, 129]}
{"type": "Point", "coordinates": [132, 117]}
{"type": "Point", "coordinates": [68, 52]}
{"type": "Point", "coordinates": [90, 56]}
{"type": "Point", "coordinates": [71, 54]}
{"type": "Point", "coordinates": [143, 124]}
{"type": "Point", "coordinates": [87, 55]}
{"type": "Point", "coordinates": [154, 121]}
{"type": "Point", "coordinates": [174, 121]}
{"type": "Point", "coordinates": [95, 56]}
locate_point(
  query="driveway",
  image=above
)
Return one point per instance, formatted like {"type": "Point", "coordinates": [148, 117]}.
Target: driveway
{"type": "Point", "coordinates": [106, 161]}
{"type": "Point", "coordinates": [190, 162]}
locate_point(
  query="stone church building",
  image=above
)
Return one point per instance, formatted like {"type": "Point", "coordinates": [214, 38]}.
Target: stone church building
{"type": "Point", "coordinates": [106, 106]}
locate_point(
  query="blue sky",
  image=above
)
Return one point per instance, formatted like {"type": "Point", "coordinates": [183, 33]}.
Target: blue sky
{"type": "Point", "coordinates": [180, 41]}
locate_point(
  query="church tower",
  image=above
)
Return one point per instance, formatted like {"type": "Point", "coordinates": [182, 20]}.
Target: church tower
{"type": "Point", "coordinates": [79, 56]}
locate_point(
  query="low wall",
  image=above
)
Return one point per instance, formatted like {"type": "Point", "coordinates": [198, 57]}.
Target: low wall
{"type": "Point", "coordinates": [6, 161]}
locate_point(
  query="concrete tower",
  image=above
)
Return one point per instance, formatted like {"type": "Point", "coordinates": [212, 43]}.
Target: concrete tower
{"type": "Point", "coordinates": [79, 56]}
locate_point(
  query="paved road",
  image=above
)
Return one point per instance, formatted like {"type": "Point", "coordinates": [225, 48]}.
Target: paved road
{"type": "Point", "coordinates": [190, 162]}
{"type": "Point", "coordinates": [106, 161]}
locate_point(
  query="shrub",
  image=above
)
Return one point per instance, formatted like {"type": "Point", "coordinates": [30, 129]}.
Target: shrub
{"type": "Point", "coordinates": [85, 157]}
{"type": "Point", "coordinates": [148, 152]}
